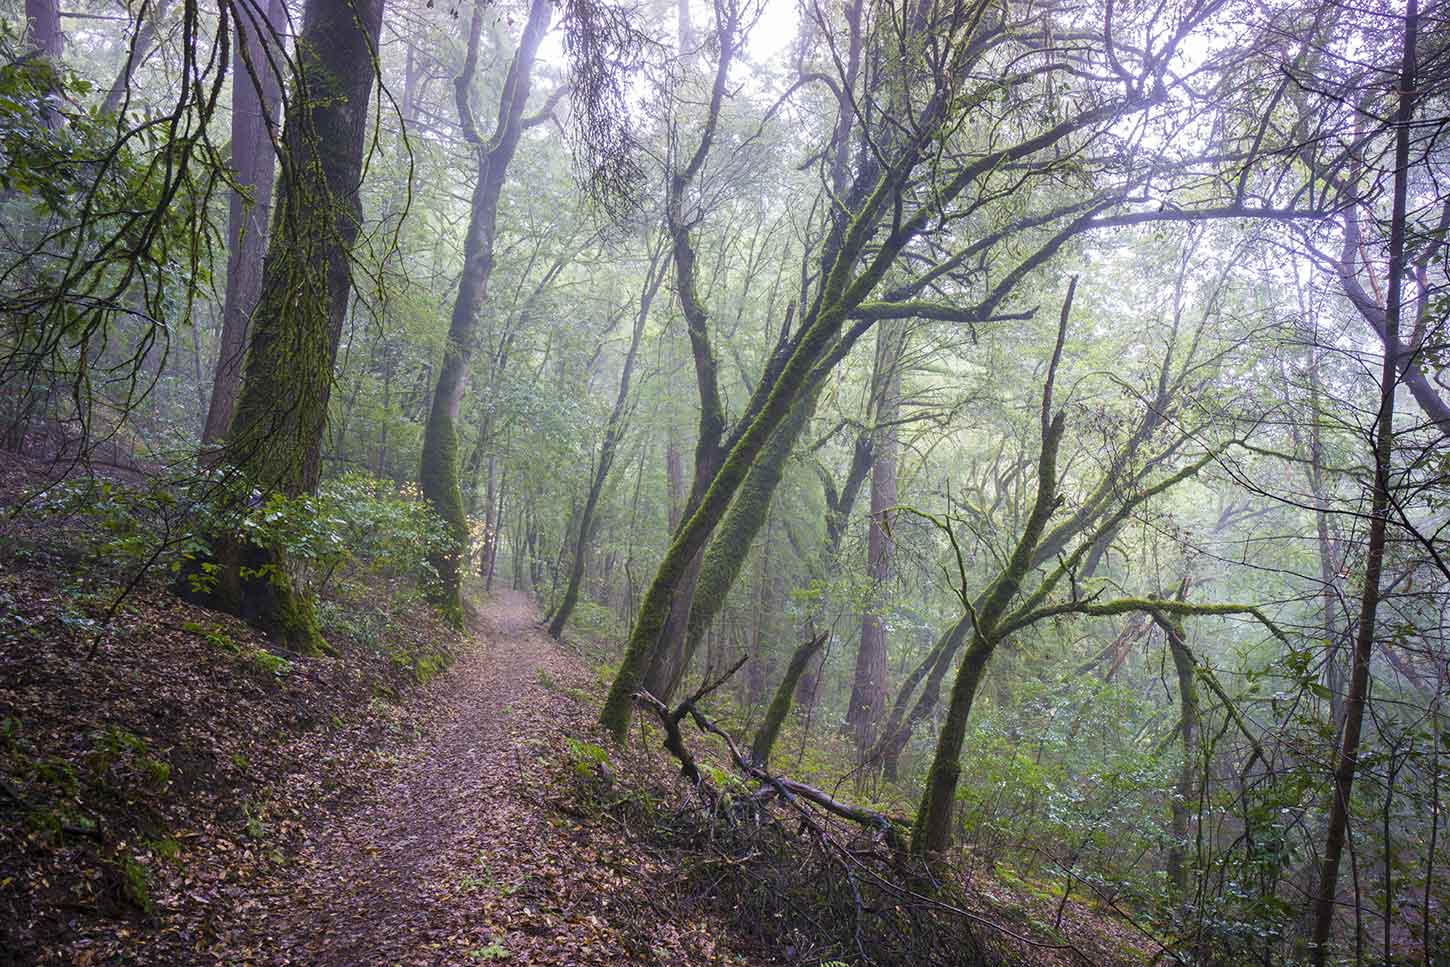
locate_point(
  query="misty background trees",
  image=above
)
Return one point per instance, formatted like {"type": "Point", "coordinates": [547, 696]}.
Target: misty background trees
{"type": "Point", "coordinates": [1045, 400]}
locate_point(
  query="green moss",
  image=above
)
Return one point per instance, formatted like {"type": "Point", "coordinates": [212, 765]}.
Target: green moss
{"type": "Point", "coordinates": [270, 664]}
{"type": "Point", "coordinates": [731, 542]}
{"type": "Point", "coordinates": [784, 694]}
{"type": "Point", "coordinates": [438, 479]}
{"type": "Point", "coordinates": [213, 636]}
{"type": "Point", "coordinates": [294, 622]}
{"type": "Point", "coordinates": [134, 882]}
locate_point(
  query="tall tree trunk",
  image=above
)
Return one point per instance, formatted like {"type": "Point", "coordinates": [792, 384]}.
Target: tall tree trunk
{"type": "Point", "coordinates": [868, 688]}
{"type": "Point", "coordinates": [1348, 754]}
{"type": "Point", "coordinates": [932, 831]}
{"type": "Point", "coordinates": [1329, 554]}
{"type": "Point", "coordinates": [43, 36]}
{"type": "Point", "coordinates": [666, 662]}
{"type": "Point", "coordinates": [276, 433]}
{"type": "Point", "coordinates": [490, 522]}
{"type": "Point", "coordinates": [674, 478]}
{"type": "Point", "coordinates": [728, 548]}
{"type": "Point", "coordinates": [42, 28]}
{"type": "Point", "coordinates": [256, 98]}
{"type": "Point", "coordinates": [438, 470]}
{"type": "Point", "coordinates": [613, 431]}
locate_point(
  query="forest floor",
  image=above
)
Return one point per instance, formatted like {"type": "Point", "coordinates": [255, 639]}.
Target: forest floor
{"type": "Point", "coordinates": [172, 792]}
{"type": "Point", "coordinates": [468, 851]}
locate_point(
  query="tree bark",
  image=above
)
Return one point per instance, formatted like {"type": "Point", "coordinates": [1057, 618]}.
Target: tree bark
{"type": "Point", "coordinates": [256, 98]}
{"type": "Point", "coordinates": [730, 545]}
{"type": "Point", "coordinates": [1186, 791]}
{"type": "Point", "coordinates": [276, 433]}
{"type": "Point", "coordinates": [868, 689]}
{"type": "Point", "coordinates": [42, 28]}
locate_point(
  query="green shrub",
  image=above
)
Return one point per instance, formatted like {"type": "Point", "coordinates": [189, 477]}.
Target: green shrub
{"type": "Point", "coordinates": [586, 756]}
{"type": "Point", "coordinates": [354, 521]}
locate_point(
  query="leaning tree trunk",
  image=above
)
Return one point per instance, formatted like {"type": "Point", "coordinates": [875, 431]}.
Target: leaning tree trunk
{"type": "Point", "coordinates": [1348, 756]}
{"type": "Point", "coordinates": [276, 434]}
{"type": "Point", "coordinates": [729, 546]}
{"type": "Point", "coordinates": [256, 97]}
{"type": "Point", "coordinates": [769, 730]}
{"type": "Point", "coordinates": [148, 20]}
{"type": "Point", "coordinates": [438, 469]}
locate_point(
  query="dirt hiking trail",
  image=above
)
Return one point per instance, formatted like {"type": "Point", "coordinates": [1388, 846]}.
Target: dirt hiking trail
{"type": "Point", "coordinates": [467, 854]}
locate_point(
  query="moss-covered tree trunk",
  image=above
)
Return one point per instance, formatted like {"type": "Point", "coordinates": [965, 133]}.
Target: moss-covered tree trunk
{"type": "Point", "coordinates": [934, 815]}
{"type": "Point", "coordinates": [275, 440]}
{"type": "Point", "coordinates": [769, 730]}
{"type": "Point", "coordinates": [667, 661]}
{"type": "Point", "coordinates": [932, 833]}
{"type": "Point", "coordinates": [729, 546]}
{"type": "Point", "coordinates": [438, 469]}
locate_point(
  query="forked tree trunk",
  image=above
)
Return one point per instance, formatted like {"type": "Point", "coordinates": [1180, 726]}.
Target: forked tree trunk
{"type": "Point", "coordinates": [932, 833]}
{"type": "Point", "coordinates": [438, 470]}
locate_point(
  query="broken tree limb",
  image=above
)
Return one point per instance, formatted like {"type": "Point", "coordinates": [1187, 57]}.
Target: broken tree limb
{"type": "Point", "coordinates": [892, 828]}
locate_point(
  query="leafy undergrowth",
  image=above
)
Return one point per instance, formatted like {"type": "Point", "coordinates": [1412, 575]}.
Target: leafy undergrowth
{"type": "Point", "coordinates": [154, 765]}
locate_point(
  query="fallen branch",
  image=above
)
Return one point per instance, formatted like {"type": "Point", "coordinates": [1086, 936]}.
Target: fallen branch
{"type": "Point", "coordinates": [892, 828]}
